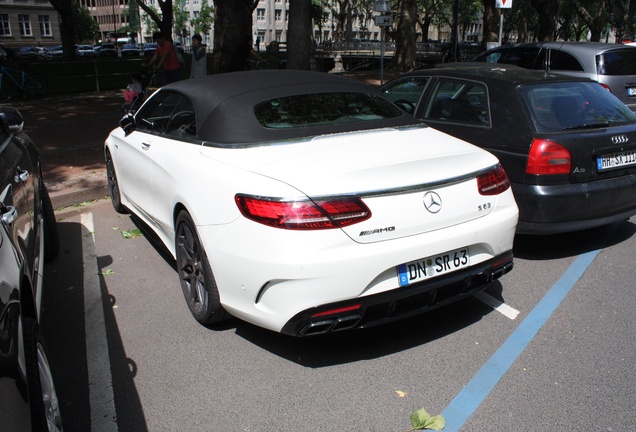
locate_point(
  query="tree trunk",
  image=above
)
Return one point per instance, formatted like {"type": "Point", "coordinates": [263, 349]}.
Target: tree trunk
{"type": "Point", "coordinates": [165, 20]}
{"type": "Point", "coordinates": [232, 24]}
{"type": "Point", "coordinates": [64, 9]}
{"type": "Point", "coordinates": [491, 23]}
{"type": "Point", "coordinates": [299, 35]}
{"type": "Point", "coordinates": [546, 10]}
{"type": "Point", "coordinates": [405, 39]}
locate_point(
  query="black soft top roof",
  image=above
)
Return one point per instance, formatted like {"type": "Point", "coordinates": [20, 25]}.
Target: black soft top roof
{"type": "Point", "coordinates": [224, 103]}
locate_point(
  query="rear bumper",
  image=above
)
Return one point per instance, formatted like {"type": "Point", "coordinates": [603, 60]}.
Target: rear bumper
{"type": "Point", "coordinates": [399, 303]}
{"type": "Point", "coordinates": [564, 208]}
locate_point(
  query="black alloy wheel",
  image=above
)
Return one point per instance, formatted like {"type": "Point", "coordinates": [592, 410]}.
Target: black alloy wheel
{"type": "Point", "coordinates": [195, 274]}
{"type": "Point", "coordinates": [45, 407]}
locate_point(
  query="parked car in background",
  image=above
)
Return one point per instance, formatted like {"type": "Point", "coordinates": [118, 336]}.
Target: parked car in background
{"type": "Point", "coordinates": [53, 52]}
{"type": "Point", "coordinates": [612, 65]}
{"type": "Point", "coordinates": [28, 400]}
{"type": "Point", "coordinates": [567, 144]}
{"type": "Point", "coordinates": [128, 50]}
{"type": "Point", "coordinates": [149, 49]}
{"type": "Point", "coordinates": [106, 50]}
{"type": "Point", "coordinates": [26, 53]}
{"type": "Point", "coordinates": [347, 211]}
{"type": "Point", "coordinates": [86, 51]}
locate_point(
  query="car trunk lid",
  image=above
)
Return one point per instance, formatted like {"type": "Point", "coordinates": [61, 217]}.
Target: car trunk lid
{"type": "Point", "coordinates": [413, 181]}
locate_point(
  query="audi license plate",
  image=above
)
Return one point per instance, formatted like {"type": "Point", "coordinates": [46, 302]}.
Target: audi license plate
{"type": "Point", "coordinates": [616, 160]}
{"type": "Point", "coordinates": [427, 268]}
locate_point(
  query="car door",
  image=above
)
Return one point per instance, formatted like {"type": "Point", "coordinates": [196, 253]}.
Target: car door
{"type": "Point", "coordinates": [172, 157]}
{"type": "Point", "coordinates": [18, 180]}
{"type": "Point", "coordinates": [135, 166]}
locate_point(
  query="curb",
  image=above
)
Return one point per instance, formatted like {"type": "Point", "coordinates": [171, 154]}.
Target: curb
{"type": "Point", "coordinates": [74, 191]}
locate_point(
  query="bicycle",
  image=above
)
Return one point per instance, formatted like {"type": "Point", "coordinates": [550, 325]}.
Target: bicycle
{"type": "Point", "coordinates": [27, 85]}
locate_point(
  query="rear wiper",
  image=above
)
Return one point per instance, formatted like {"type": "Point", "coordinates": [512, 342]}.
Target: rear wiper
{"type": "Point", "coordinates": [589, 125]}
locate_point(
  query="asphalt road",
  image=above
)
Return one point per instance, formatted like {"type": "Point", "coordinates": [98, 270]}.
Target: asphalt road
{"type": "Point", "coordinates": [129, 357]}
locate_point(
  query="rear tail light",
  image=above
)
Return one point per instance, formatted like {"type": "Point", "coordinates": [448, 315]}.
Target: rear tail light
{"type": "Point", "coordinates": [303, 214]}
{"type": "Point", "coordinates": [493, 182]}
{"type": "Point", "coordinates": [606, 87]}
{"type": "Point", "coordinates": [548, 157]}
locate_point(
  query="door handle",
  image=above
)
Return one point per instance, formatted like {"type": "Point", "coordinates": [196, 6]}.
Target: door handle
{"type": "Point", "coordinates": [145, 146]}
{"type": "Point", "coordinates": [9, 214]}
{"type": "Point", "coordinates": [21, 175]}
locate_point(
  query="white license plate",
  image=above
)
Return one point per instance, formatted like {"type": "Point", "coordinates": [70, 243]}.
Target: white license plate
{"type": "Point", "coordinates": [427, 268]}
{"type": "Point", "coordinates": [616, 160]}
{"type": "Point", "coordinates": [631, 91]}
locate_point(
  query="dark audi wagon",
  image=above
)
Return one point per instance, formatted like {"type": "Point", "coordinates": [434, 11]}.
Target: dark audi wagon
{"type": "Point", "coordinates": [567, 144]}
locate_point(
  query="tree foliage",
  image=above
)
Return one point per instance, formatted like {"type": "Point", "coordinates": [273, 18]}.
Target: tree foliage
{"type": "Point", "coordinates": [85, 28]}
{"type": "Point", "coordinates": [202, 24]}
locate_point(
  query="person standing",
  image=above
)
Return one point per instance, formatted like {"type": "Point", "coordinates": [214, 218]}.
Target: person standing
{"type": "Point", "coordinates": [199, 58]}
{"type": "Point", "coordinates": [165, 57]}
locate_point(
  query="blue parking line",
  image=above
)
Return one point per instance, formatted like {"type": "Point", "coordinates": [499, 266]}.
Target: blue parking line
{"type": "Point", "coordinates": [478, 388]}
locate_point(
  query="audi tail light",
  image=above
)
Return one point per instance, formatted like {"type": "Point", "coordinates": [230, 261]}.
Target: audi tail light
{"type": "Point", "coordinates": [493, 182]}
{"type": "Point", "coordinates": [548, 158]}
{"type": "Point", "coordinates": [303, 214]}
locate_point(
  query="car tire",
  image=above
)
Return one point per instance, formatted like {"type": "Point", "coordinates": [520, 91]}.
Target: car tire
{"type": "Point", "coordinates": [195, 274]}
{"type": "Point", "coordinates": [45, 408]}
{"type": "Point", "coordinates": [113, 185]}
{"type": "Point", "coordinates": [51, 234]}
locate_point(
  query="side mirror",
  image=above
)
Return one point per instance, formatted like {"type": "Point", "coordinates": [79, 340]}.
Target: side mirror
{"type": "Point", "coordinates": [127, 123]}
{"type": "Point", "coordinates": [12, 118]}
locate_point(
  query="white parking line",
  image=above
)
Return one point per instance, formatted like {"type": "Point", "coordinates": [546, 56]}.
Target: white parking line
{"type": "Point", "coordinates": [100, 383]}
{"type": "Point", "coordinates": [500, 307]}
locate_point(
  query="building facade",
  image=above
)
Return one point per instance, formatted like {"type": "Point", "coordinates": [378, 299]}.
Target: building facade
{"type": "Point", "coordinates": [28, 22]}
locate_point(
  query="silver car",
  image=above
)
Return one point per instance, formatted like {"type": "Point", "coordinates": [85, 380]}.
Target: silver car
{"type": "Point", "coordinates": [612, 65]}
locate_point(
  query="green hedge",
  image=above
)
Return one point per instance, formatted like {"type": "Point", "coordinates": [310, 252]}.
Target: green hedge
{"type": "Point", "coordinates": [86, 75]}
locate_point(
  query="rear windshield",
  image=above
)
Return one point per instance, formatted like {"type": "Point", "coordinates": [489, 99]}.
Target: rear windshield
{"type": "Point", "coordinates": [319, 109]}
{"type": "Point", "coordinates": [617, 62]}
{"type": "Point", "coordinates": [557, 107]}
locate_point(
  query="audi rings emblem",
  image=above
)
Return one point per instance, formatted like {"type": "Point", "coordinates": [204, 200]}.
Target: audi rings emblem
{"type": "Point", "coordinates": [432, 202]}
{"type": "Point", "coordinates": [619, 139]}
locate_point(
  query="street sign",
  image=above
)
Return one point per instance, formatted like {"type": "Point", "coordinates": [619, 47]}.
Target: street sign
{"type": "Point", "coordinates": [383, 20]}
{"type": "Point", "coordinates": [503, 4]}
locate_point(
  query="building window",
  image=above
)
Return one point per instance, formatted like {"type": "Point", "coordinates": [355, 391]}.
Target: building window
{"type": "Point", "coordinates": [45, 25]}
{"type": "Point", "coordinates": [25, 25]}
{"type": "Point", "coordinates": [260, 14]}
{"type": "Point", "coordinates": [277, 15]}
{"type": "Point", "coordinates": [5, 30]}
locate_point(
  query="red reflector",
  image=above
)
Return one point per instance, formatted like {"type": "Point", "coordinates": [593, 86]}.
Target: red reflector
{"type": "Point", "coordinates": [337, 311]}
{"type": "Point", "coordinates": [303, 214]}
{"type": "Point", "coordinates": [493, 182]}
{"type": "Point", "coordinates": [548, 157]}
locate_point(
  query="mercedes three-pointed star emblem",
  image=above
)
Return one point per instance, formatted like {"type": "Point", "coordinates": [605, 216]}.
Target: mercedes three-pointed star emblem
{"type": "Point", "coordinates": [432, 202]}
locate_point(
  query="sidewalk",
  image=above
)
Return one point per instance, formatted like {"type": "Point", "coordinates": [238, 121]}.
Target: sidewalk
{"type": "Point", "coordinates": [70, 131]}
